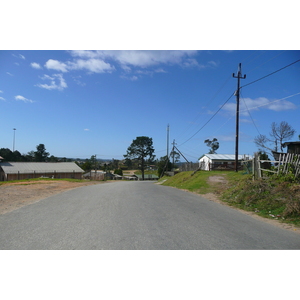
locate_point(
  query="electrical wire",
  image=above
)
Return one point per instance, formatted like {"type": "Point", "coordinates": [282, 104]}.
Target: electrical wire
{"type": "Point", "coordinates": [250, 114]}
{"type": "Point", "coordinates": [266, 62]}
{"type": "Point", "coordinates": [207, 121]}
{"type": "Point", "coordinates": [272, 102]}
{"type": "Point", "coordinates": [208, 102]}
{"type": "Point", "coordinates": [270, 74]}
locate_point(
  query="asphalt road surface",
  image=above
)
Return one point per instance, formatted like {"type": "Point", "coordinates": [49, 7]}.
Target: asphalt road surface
{"type": "Point", "coordinates": [137, 215]}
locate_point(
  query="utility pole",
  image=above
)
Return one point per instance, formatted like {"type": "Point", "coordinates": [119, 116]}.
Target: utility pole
{"type": "Point", "coordinates": [237, 94]}
{"type": "Point", "coordinates": [14, 129]}
{"type": "Point", "coordinates": [168, 130]}
{"type": "Point", "coordinates": [173, 152]}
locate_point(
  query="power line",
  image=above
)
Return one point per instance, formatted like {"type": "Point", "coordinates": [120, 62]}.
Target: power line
{"type": "Point", "coordinates": [250, 115]}
{"type": "Point", "coordinates": [207, 121]}
{"type": "Point", "coordinates": [266, 62]}
{"type": "Point", "coordinates": [208, 102]}
{"type": "Point", "coordinates": [271, 73]}
{"type": "Point", "coordinates": [272, 102]}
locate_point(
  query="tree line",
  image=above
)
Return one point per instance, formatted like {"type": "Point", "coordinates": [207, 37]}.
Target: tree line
{"type": "Point", "coordinates": [40, 155]}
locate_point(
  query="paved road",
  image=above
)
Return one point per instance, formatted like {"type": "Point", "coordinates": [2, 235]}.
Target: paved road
{"type": "Point", "coordinates": [136, 215]}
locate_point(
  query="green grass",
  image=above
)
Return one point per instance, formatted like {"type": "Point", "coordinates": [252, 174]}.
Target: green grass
{"type": "Point", "coordinates": [271, 198]}
{"type": "Point", "coordinates": [199, 181]}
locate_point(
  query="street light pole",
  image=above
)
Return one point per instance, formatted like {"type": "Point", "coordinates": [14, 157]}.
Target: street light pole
{"type": "Point", "coordinates": [14, 129]}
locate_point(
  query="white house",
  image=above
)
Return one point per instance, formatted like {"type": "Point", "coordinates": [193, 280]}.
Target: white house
{"type": "Point", "coordinates": [210, 162]}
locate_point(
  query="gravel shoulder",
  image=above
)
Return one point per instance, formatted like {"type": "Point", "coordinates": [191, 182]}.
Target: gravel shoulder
{"type": "Point", "coordinates": [18, 194]}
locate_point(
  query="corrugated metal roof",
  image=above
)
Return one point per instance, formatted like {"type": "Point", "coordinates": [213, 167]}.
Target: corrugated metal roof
{"type": "Point", "coordinates": [40, 167]}
{"type": "Point", "coordinates": [227, 156]}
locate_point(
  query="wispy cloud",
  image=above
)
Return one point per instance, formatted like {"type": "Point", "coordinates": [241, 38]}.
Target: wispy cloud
{"type": "Point", "coordinates": [86, 129]}
{"type": "Point", "coordinates": [138, 58]}
{"type": "Point", "coordinates": [259, 103]}
{"type": "Point", "coordinates": [9, 74]}
{"type": "Point", "coordinates": [78, 81]}
{"type": "Point", "coordinates": [21, 98]}
{"type": "Point", "coordinates": [19, 56]}
{"type": "Point", "coordinates": [1, 98]}
{"type": "Point", "coordinates": [131, 78]}
{"type": "Point", "coordinates": [57, 82]}
{"type": "Point", "coordinates": [92, 65]}
{"type": "Point", "coordinates": [35, 65]}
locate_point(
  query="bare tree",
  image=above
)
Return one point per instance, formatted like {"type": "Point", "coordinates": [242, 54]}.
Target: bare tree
{"type": "Point", "coordinates": [279, 133]}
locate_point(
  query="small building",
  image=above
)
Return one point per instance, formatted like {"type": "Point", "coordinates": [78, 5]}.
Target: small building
{"type": "Point", "coordinates": [292, 147]}
{"type": "Point", "coordinates": [209, 162]}
{"type": "Point", "coordinates": [27, 170]}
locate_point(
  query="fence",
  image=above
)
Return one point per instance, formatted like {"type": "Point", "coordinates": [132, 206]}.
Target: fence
{"type": "Point", "coordinates": [286, 163]}
{"type": "Point", "coordinates": [189, 167]}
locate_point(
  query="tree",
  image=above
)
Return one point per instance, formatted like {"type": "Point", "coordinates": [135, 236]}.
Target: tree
{"type": "Point", "coordinates": [213, 144]}
{"type": "Point", "coordinates": [279, 133]}
{"type": "Point", "coordinates": [163, 164]}
{"type": "Point", "coordinates": [40, 154]}
{"type": "Point", "coordinates": [141, 148]}
{"type": "Point", "coordinates": [118, 172]}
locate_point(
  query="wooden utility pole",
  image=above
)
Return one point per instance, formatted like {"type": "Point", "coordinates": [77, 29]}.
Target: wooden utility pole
{"type": "Point", "coordinates": [168, 130]}
{"type": "Point", "coordinates": [173, 153]}
{"type": "Point", "coordinates": [237, 93]}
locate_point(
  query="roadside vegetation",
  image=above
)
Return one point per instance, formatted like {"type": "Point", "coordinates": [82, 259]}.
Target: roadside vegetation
{"type": "Point", "coordinates": [40, 180]}
{"type": "Point", "coordinates": [272, 197]}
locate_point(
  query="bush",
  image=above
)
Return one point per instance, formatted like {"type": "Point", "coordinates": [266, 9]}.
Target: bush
{"type": "Point", "coordinates": [269, 197]}
{"type": "Point", "coordinates": [118, 172]}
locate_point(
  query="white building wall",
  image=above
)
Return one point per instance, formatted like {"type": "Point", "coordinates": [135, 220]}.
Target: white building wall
{"type": "Point", "coordinates": [204, 163]}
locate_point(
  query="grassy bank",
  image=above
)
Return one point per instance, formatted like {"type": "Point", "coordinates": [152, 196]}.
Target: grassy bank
{"type": "Point", "coordinates": [272, 198]}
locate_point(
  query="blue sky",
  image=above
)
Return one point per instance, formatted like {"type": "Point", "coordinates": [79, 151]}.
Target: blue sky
{"type": "Point", "coordinates": [81, 103]}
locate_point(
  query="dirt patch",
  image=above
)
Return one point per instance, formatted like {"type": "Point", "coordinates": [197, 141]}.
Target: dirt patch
{"type": "Point", "coordinates": [18, 194]}
{"type": "Point", "coordinates": [217, 179]}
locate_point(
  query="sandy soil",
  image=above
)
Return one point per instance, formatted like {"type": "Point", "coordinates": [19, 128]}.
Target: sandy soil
{"type": "Point", "coordinates": [16, 195]}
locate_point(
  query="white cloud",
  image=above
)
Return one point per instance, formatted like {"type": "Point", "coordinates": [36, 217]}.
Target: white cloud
{"type": "Point", "coordinates": [9, 74]}
{"type": "Point", "coordinates": [1, 98]}
{"type": "Point", "coordinates": [140, 58]}
{"type": "Point", "coordinates": [212, 63]}
{"type": "Point", "coordinates": [1, 91]}
{"type": "Point", "coordinates": [92, 65]}
{"type": "Point", "coordinates": [77, 79]}
{"type": "Point", "coordinates": [56, 65]}
{"type": "Point", "coordinates": [86, 129]}
{"type": "Point", "coordinates": [19, 56]}
{"type": "Point", "coordinates": [132, 78]}
{"type": "Point", "coordinates": [259, 103]}
{"type": "Point", "coordinates": [21, 98]}
{"type": "Point", "coordinates": [57, 82]}
{"type": "Point", "coordinates": [35, 65]}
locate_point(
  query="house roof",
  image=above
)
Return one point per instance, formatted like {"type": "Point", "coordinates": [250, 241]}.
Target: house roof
{"type": "Point", "coordinates": [226, 156]}
{"type": "Point", "coordinates": [291, 143]}
{"type": "Point", "coordinates": [40, 167]}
